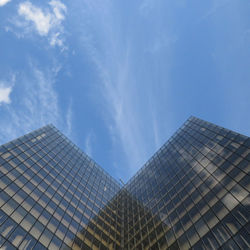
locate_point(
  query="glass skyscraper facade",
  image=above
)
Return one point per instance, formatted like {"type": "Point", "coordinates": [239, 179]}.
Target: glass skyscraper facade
{"type": "Point", "coordinates": [50, 192]}
{"type": "Point", "coordinates": [192, 193]}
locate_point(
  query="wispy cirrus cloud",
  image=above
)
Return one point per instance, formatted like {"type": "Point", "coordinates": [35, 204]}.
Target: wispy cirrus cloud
{"type": "Point", "coordinates": [131, 53]}
{"type": "Point", "coordinates": [3, 2]}
{"type": "Point", "coordinates": [68, 118]}
{"type": "Point", "coordinates": [34, 104]}
{"type": "Point", "coordinates": [113, 60]}
{"type": "Point", "coordinates": [46, 22]}
{"type": "Point", "coordinates": [88, 145]}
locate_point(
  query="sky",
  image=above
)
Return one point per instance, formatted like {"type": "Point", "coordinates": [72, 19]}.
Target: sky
{"type": "Point", "coordinates": [120, 77]}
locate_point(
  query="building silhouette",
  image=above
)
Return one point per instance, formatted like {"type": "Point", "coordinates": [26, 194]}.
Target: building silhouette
{"type": "Point", "coordinates": [192, 193]}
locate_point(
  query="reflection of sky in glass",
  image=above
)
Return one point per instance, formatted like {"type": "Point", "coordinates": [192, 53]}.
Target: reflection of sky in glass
{"type": "Point", "coordinates": [193, 190]}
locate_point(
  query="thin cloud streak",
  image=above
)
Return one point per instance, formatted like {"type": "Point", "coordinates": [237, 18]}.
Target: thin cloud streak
{"type": "Point", "coordinates": [114, 65]}
{"type": "Point", "coordinates": [119, 104]}
{"type": "Point", "coordinates": [69, 115]}
{"type": "Point", "coordinates": [88, 144]}
{"type": "Point", "coordinates": [36, 105]}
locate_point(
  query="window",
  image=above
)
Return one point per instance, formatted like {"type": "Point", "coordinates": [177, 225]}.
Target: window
{"type": "Point", "coordinates": [192, 236]}
{"type": "Point", "coordinates": [4, 198]}
{"type": "Point", "coordinates": [55, 243]}
{"type": "Point", "coordinates": [61, 231]}
{"type": "Point", "coordinates": [28, 222]}
{"type": "Point", "coordinates": [37, 229]}
{"type": "Point", "coordinates": [45, 217]}
{"type": "Point", "coordinates": [53, 224]}
{"type": "Point", "coordinates": [46, 237]}
{"type": "Point", "coordinates": [231, 223]}
{"type": "Point", "coordinates": [220, 233]}
{"type": "Point", "coordinates": [229, 201]}
{"type": "Point", "coordinates": [3, 217]}
{"type": "Point", "coordinates": [5, 181]}
{"type": "Point", "coordinates": [10, 206]}
{"type": "Point", "coordinates": [7, 227]}
{"type": "Point", "coordinates": [17, 236]}
{"type": "Point", "coordinates": [201, 227]}
{"type": "Point", "coordinates": [19, 214]}
{"type": "Point", "coordinates": [28, 243]}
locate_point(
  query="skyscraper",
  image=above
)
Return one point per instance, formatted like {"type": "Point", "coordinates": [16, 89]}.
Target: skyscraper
{"type": "Point", "coordinates": [192, 193]}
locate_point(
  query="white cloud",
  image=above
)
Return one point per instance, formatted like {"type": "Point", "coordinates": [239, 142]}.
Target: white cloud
{"type": "Point", "coordinates": [56, 40]}
{"type": "Point", "coordinates": [47, 22]}
{"type": "Point", "coordinates": [5, 94]}
{"type": "Point", "coordinates": [59, 9]}
{"type": "Point", "coordinates": [3, 2]}
{"type": "Point", "coordinates": [41, 20]}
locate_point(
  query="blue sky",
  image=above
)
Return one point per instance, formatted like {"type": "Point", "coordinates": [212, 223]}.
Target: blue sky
{"type": "Point", "coordinates": [120, 77]}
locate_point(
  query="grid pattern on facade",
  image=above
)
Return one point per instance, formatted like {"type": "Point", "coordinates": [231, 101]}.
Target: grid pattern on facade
{"type": "Point", "coordinates": [50, 191]}
{"type": "Point", "coordinates": [195, 190]}
{"type": "Point", "coordinates": [193, 193]}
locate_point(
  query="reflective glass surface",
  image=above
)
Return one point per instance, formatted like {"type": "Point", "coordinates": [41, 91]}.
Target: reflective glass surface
{"type": "Point", "coordinates": [50, 192]}
{"type": "Point", "coordinates": [192, 193]}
